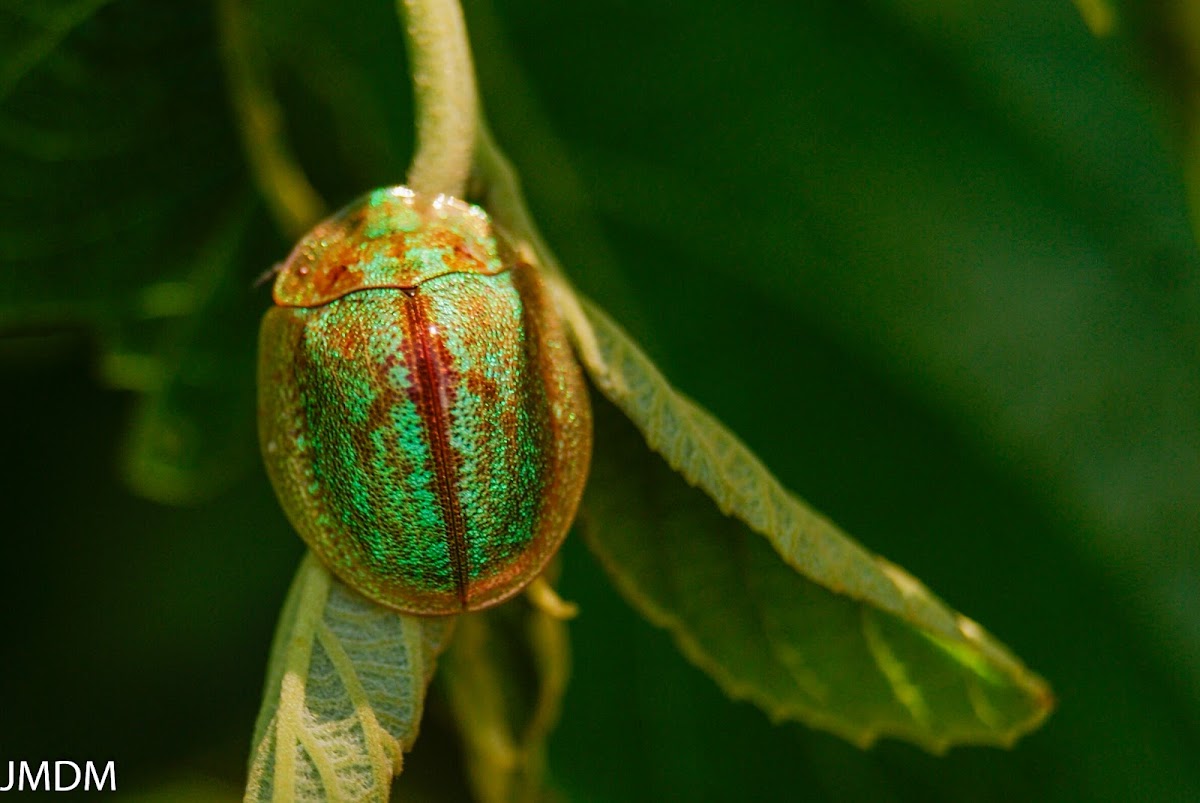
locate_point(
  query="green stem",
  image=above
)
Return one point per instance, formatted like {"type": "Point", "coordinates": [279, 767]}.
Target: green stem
{"type": "Point", "coordinates": [294, 203]}
{"type": "Point", "coordinates": [1098, 15]}
{"type": "Point", "coordinates": [443, 78]}
{"type": "Point", "coordinates": [505, 200]}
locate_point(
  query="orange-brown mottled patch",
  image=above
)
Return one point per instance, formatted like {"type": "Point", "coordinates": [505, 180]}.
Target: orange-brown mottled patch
{"type": "Point", "coordinates": [397, 248]}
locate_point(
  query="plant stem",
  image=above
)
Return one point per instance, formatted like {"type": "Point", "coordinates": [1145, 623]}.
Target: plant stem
{"type": "Point", "coordinates": [505, 201]}
{"type": "Point", "coordinates": [1098, 15]}
{"type": "Point", "coordinates": [445, 99]}
{"type": "Point", "coordinates": [292, 200]}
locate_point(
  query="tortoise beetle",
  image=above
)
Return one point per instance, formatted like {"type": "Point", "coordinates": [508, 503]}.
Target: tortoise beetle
{"type": "Point", "coordinates": [422, 418]}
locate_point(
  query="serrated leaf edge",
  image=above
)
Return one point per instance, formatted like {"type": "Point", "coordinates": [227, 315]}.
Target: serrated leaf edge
{"type": "Point", "coordinates": [891, 589]}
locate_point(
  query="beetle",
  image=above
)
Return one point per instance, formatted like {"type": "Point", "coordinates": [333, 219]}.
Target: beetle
{"type": "Point", "coordinates": [422, 417]}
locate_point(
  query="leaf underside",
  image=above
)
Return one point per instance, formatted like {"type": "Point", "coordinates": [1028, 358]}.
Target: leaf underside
{"type": "Point", "coordinates": [344, 694]}
{"type": "Point", "coordinates": [816, 629]}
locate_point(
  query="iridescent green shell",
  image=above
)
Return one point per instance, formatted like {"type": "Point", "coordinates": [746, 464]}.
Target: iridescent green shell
{"type": "Point", "coordinates": [421, 415]}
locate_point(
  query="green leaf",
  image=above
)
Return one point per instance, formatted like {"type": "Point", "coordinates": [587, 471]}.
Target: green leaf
{"type": "Point", "coordinates": [191, 427]}
{"type": "Point", "coordinates": [116, 142]}
{"type": "Point", "coordinates": [979, 201]}
{"type": "Point", "coordinates": [862, 650]}
{"type": "Point", "coordinates": [126, 211]}
{"type": "Point", "coordinates": [344, 694]}
{"type": "Point", "coordinates": [504, 677]}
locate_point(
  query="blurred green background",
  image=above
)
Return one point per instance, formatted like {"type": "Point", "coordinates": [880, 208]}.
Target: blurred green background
{"type": "Point", "coordinates": [932, 259]}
